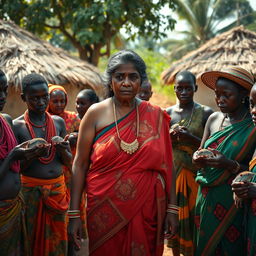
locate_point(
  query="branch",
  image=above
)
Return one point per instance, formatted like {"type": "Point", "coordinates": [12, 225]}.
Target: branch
{"type": "Point", "coordinates": [51, 26]}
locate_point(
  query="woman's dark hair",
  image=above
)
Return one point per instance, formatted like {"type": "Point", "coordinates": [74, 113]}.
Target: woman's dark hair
{"type": "Point", "coordinates": [90, 94]}
{"type": "Point", "coordinates": [3, 78]}
{"type": "Point", "coordinates": [120, 58]}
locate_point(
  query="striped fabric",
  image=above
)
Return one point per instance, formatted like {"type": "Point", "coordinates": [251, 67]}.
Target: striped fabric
{"type": "Point", "coordinates": [235, 74]}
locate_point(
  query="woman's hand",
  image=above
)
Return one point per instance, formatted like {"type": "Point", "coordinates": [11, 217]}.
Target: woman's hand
{"type": "Point", "coordinates": [72, 138]}
{"type": "Point", "coordinates": [171, 225]}
{"type": "Point", "coordinates": [218, 161]}
{"type": "Point", "coordinates": [75, 232]}
{"type": "Point", "coordinates": [240, 189]}
{"type": "Point", "coordinates": [238, 201]}
{"type": "Point", "coordinates": [244, 189]}
{"type": "Point", "coordinates": [180, 133]}
{"type": "Point", "coordinates": [62, 146]}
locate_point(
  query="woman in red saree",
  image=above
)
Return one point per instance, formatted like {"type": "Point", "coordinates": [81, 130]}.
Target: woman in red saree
{"type": "Point", "coordinates": [124, 159]}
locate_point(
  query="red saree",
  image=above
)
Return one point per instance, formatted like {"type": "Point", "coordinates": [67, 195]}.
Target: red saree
{"type": "Point", "coordinates": [127, 194]}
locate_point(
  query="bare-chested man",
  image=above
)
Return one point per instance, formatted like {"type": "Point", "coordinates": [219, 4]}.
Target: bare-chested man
{"type": "Point", "coordinates": [43, 183]}
{"type": "Point", "coordinates": [12, 228]}
{"type": "Point", "coordinates": [188, 121]}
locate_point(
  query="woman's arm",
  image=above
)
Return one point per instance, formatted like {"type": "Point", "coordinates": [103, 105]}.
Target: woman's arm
{"type": "Point", "coordinates": [79, 170]}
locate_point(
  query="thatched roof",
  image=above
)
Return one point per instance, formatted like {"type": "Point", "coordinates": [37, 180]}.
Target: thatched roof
{"type": "Point", "coordinates": [234, 47]}
{"type": "Point", "coordinates": [22, 53]}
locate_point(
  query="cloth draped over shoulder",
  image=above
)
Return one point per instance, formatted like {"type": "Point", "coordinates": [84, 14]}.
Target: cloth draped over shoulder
{"type": "Point", "coordinates": [7, 143]}
{"type": "Point", "coordinates": [215, 202]}
{"type": "Point", "coordinates": [13, 235]}
{"type": "Point", "coordinates": [251, 218]}
{"type": "Point", "coordinates": [186, 187]}
{"type": "Point", "coordinates": [47, 202]}
{"type": "Point", "coordinates": [127, 194]}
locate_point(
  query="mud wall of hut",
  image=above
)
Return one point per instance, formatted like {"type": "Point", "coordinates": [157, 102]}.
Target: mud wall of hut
{"type": "Point", "coordinates": [206, 96]}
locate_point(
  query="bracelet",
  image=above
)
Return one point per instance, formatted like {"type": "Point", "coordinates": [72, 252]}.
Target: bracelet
{"type": "Point", "coordinates": [73, 214]}
{"type": "Point", "coordinates": [171, 211]}
{"type": "Point", "coordinates": [237, 169]}
{"type": "Point", "coordinates": [172, 206]}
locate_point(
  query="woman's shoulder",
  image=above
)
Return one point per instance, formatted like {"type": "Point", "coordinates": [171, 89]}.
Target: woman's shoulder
{"type": "Point", "coordinates": [216, 115]}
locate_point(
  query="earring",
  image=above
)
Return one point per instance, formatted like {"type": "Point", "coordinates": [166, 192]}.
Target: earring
{"type": "Point", "coordinates": [243, 100]}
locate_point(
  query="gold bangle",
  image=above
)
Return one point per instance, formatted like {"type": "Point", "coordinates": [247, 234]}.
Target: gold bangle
{"type": "Point", "coordinates": [172, 206]}
{"type": "Point", "coordinates": [173, 212]}
{"type": "Point", "coordinates": [74, 217]}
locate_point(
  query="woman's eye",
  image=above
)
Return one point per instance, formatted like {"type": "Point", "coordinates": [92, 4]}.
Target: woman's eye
{"type": "Point", "coordinates": [119, 77]}
{"type": "Point", "coordinates": [134, 77]}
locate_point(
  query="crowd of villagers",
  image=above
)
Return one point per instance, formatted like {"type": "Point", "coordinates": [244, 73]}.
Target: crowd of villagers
{"type": "Point", "coordinates": [126, 175]}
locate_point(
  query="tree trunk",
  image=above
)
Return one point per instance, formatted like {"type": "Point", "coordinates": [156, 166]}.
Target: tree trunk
{"type": "Point", "coordinates": [96, 54]}
{"type": "Point", "coordinates": [89, 55]}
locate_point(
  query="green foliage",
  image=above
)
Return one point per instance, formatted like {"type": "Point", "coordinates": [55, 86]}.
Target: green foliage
{"type": "Point", "coordinates": [203, 18]}
{"type": "Point", "coordinates": [89, 25]}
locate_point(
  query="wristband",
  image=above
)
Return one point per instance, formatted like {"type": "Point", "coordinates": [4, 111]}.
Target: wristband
{"type": "Point", "coordinates": [73, 214]}
{"type": "Point", "coordinates": [171, 208]}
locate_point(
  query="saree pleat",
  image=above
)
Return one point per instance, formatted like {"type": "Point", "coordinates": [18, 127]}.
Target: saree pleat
{"type": "Point", "coordinates": [220, 223]}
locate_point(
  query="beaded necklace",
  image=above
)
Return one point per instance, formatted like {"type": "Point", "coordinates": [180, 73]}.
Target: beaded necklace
{"type": "Point", "coordinates": [50, 132]}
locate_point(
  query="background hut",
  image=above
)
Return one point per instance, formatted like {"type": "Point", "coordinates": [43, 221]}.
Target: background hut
{"type": "Point", "coordinates": [237, 47]}
{"type": "Point", "coordinates": [22, 53]}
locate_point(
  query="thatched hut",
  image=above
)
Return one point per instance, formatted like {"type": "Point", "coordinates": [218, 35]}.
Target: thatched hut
{"type": "Point", "coordinates": [22, 53]}
{"type": "Point", "coordinates": [235, 47]}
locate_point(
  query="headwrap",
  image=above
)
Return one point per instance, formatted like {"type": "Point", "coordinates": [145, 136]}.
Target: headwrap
{"type": "Point", "coordinates": [55, 87]}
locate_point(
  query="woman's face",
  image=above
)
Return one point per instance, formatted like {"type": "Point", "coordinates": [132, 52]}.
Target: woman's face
{"type": "Point", "coordinates": [57, 102]}
{"type": "Point", "coordinates": [253, 104]}
{"type": "Point", "coordinates": [125, 82]}
{"type": "Point", "coordinates": [82, 104]}
{"type": "Point", "coordinates": [228, 97]}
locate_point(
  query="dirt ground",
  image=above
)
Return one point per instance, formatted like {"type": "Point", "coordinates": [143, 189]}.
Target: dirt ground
{"type": "Point", "coordinates": [161, 100]}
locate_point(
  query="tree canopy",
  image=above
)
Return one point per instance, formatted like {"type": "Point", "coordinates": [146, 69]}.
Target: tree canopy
{"type": "Point", "coordinates": [89, 25]}
{"type": "Point", "coordinates": [204, 18]}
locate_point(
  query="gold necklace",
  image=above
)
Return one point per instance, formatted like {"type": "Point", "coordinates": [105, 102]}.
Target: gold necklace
{"type": "Point", "coordinates": [132, 147]}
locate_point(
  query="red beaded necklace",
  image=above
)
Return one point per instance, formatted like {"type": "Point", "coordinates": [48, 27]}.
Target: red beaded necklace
{"type": "Point", "coordinates": [50, 132]}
